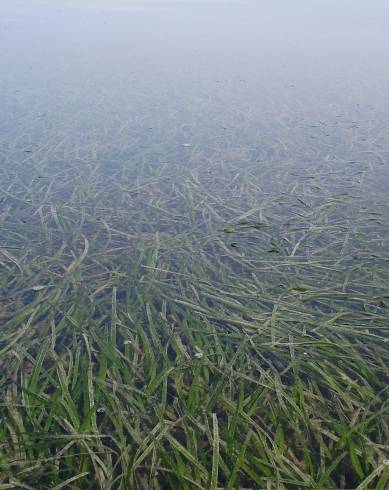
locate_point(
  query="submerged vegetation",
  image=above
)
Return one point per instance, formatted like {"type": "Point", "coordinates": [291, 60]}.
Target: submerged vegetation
{"type": "Point", "coordinates": [194, 276]}
{"type": "Point", "coordinates": [215, 320]}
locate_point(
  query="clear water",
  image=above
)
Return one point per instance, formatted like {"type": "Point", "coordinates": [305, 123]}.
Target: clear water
{"type": "Point", "coordinates": [186, 118]}
{"type": "Point", "coordinates": [216, 173]}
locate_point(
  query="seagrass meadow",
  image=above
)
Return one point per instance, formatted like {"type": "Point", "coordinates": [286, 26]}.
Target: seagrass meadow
{"type": "Point", "coordinates": [194, 238]}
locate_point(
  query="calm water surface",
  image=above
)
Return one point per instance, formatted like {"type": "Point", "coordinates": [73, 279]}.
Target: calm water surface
{"type": "Point", "coordinates": [189, 117]}
{"type": "Point", "coordinates": [194, 237]}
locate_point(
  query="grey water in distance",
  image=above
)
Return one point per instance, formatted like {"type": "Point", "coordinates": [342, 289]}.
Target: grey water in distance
{"type": "Point", "coordinates": [219, 74]}
{"type": "Point", "coordinates": [197, 187]}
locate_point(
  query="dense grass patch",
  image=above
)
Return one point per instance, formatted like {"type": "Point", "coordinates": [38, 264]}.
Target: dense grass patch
{"type": "Point", "coordinates": [217, 319]}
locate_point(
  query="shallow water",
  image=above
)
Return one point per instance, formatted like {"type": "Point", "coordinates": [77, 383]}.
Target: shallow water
{"type": "Point", "coordinates": [214, 110]}
{"type": "Point", "coordinates": [223, 161]}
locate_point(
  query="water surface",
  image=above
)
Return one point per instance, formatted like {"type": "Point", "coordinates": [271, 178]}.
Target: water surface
{"type": "Point", "coordinates": [208, 182]}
